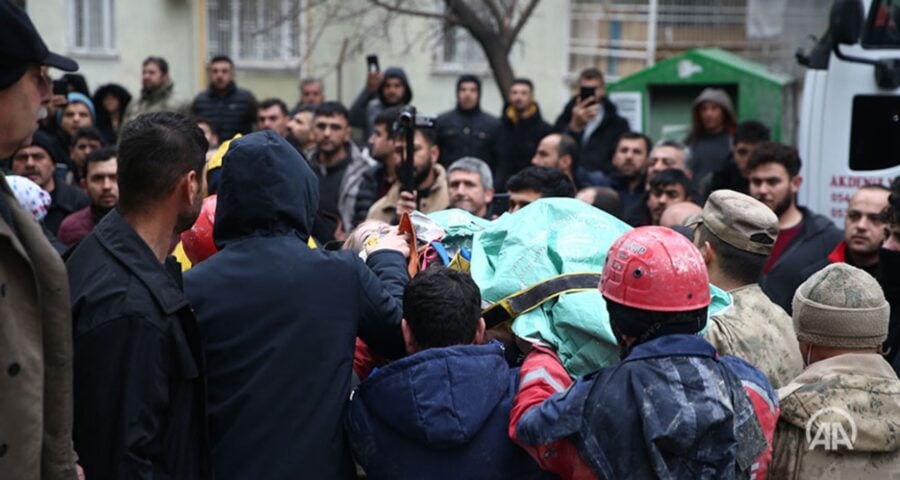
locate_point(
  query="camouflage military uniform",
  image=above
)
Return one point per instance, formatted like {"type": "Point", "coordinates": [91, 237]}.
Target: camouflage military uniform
{"type": "Point", "coordinates": [864, 386]}
{"type": "Point", "coordinates": [760, 332]}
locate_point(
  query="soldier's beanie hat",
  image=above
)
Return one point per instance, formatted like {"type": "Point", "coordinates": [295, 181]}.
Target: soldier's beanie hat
{"type": "Point", "coordinates": [841, 306]}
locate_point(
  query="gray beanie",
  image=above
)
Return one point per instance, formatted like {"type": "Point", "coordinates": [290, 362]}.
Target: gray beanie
{"type": "Point", "coordinates": [841, 307]}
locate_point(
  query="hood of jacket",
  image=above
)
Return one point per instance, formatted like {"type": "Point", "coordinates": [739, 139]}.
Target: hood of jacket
{"type": "Point", "coordinates": [396, 72]}
{"type": "Point", "coordinates": [717, 96]}
{"type": "Point", "coordinates": [440, 396]}
{"type": "Point", "coordinates": [266, 189]}
{"type": "Point", "coordinates": [862, 385]}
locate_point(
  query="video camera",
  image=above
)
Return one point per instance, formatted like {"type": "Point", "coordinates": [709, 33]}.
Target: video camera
{"type": "Point", "coordinates": [407, 122]}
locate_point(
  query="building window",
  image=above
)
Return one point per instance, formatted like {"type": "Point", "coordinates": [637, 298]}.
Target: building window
{"type": "Point", "coordinates": [91, 26]}
{"type": "Point", "coordinates": [459, 52]}
{"type": "Point", "coordinates": [265, 33]}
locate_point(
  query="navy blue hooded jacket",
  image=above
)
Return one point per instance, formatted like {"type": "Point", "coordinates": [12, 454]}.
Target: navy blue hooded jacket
{"type": "Point", "coordinates": [441, 413]}
{"type": "Point", "coordinates": [279, 320]}
{"type": "Point", "coordinates": [672, 409]}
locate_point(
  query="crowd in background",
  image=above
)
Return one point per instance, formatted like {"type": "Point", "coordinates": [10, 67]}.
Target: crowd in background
{"type": "Point", "coordinates": [223, 288]}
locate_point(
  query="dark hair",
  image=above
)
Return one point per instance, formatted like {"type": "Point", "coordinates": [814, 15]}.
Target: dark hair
{"type": "Point", "coordinates": [221, 58]}
{"type": "Point", "coordinates": [273, 102]}
{"type": "Point", "coordinates": [303, 107]}
{"type": "Point", "coordinates": [98, 155]}
{"type": "Point", "coordinates": [672, 176]}
{"type": "Point", "coordinates": [330, 109]}
{"type": "Point", "coordinates": [442, 307]}
{"type": "Point", "coordinates": [751, 132]}
{"type": "Point", "coordinates": [155, 151]}
{"type": "Point", "coordinates": [212, 126]}
{"type": "Point", "coordinates": [388, 116]}
{"type": "Point", "coordinates": [549, 182]}
{"type": "Point", "coordinates": [468, 78]}
{"type": "Point", "coordinates": [523, 81]}
{"type": "Point", "coordinates": [648, 144]}
{"type": "Point", "coordinates": [739, 265]}
{"type": "Point", "coordinates": [159, 62]}
{"type": "Point", "coordinates": [428, 134]}
{"type": "Point", "coordinates": [77, 83]}
{"type": "Point", "coordinates": [116, 90]}
{"type": "Point", "coordinates": [894, 201]}
{"type": "Point", "coordinates": [608, 200]}
{"type": "Point", "coordinates": [568, 146]}
{"type": "Point", "coordinates": [647, 324]}
{"type": "Point", "coordinates": [774, 152]}
{"type": "Point", "coordinates": [87, 132]}
{"type": "Point", "coordinates": [591, 74]}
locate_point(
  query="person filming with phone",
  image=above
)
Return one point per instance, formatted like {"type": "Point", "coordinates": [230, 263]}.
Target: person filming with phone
{"type": "Point", "coordinates": [383, 90]}
{"type": "Point", "coordinates": [593, 121]}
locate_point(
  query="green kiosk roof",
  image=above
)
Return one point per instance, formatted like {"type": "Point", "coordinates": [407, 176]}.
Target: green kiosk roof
{"type": "Point", "coordinates": [661, 96]}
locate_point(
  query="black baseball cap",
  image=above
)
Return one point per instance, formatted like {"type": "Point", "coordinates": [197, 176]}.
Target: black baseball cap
{"type": "Point", "coordinates": [21, 46]}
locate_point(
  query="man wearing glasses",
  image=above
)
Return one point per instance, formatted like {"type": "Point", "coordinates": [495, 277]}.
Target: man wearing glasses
{"type": "Point", "coordinates": [36, 326]}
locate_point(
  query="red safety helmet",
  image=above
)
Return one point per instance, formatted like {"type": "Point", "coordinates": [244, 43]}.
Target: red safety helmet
{"type": "Point", "coordinates": [198, 240]}
{"type": "Point", "coordinates": [656, 269]}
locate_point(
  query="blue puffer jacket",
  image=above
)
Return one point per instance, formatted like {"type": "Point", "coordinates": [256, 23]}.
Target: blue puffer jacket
{"type": "Point", "coordinates": [441, 413]}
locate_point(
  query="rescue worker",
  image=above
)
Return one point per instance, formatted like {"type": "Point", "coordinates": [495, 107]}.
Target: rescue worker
{"type": "Point", "coordinates": [735, 234]}
{"type": "Point", "coordinates": [672, 408]}
{"type": "Point", "coordinates": [840, 417]}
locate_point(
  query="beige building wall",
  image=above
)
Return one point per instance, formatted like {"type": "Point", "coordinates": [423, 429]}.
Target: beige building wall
{"type": "Point", "coordinates": [142, 28]}
{"type": "Point", "coordinates": [170, 29]}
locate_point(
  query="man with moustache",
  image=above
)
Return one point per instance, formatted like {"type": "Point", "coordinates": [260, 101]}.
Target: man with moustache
{"type": "Point", "coordinates": [140, 386]}
{"type": "Point", "coordinates": [37, 161]}
{"type": "Point", "coordinates": [471, 186]}
{"type": "Point", "coordinates": [804, 237]}
{"type": "Point", "coordinates": [430, 179]}
{"type": "Point", "coordinates": [629, 162]}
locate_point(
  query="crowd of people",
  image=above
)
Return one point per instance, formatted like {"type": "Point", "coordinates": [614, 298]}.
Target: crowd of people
{"type": "Point", "coordinates": [226, 289]}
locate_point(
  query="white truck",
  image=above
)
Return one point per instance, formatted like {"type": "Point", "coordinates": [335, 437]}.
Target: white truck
{"type": "Point", "coordinates": [849, 131]}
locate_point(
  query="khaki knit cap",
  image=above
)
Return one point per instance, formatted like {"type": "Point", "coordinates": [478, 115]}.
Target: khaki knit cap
{"type": "Point", "coordinates": [841, 307]}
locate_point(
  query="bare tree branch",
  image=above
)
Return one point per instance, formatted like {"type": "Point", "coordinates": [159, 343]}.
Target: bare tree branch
{"type": "Point", "coordinates": [523, 19]}
{"type": "Point", "coordinates": [501, 19]}
{"type": "Point", "coordinates": [472, 21]}
{"type": "Point", "coordinates": [446, 17]}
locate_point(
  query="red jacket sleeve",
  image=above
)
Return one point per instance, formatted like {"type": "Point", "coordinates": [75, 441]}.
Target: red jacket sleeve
{"type": "Point", "coordinates": [541, 377]}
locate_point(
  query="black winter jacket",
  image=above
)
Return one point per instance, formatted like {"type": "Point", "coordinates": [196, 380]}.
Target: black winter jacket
{"type": "Point", "coordinates": [140, 386]}
{"type": "Point", "coordinates": [66, 201]}
{"type": "Point", "coordinates": [232, 112]}
{"type": "Point", "coordinates": [280, 320]}
{"type": "Point", "coordinates": [466, 134]}
{"type": "Point", "coordinates": [597, 152]}
{"type": "Point", "coordinates": [515, 145]}
{"type": "Point", "coordinates": [369, 192]}
{"type": "Point", "coordinates": [817, 239]}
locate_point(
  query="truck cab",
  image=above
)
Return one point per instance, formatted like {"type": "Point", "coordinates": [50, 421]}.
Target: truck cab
{"type": "Point", "coordinates": [849, 125]}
